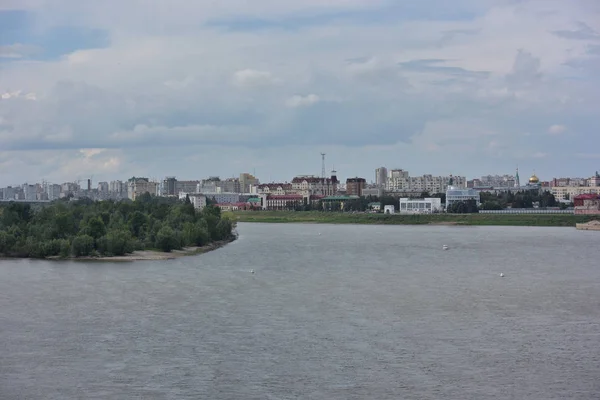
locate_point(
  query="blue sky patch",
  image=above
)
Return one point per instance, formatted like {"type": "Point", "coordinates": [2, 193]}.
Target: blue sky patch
{"type": "Point", "coordinates": [396, 13]}
{"type": "Point", "coordinates": [17, 27]}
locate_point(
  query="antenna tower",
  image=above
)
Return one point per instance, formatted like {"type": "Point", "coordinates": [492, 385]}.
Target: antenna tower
{"type": "Point", "coordinates": [322, 165]}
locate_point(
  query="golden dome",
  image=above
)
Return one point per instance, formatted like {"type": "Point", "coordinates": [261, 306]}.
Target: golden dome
{"type": "Point", "coordinates": [534, 179]}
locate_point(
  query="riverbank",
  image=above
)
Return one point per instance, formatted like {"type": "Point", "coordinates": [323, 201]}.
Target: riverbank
{"type": "Point", "coordinates": [566, 220]}
{"type": "Point", "coordinates": [156, 255]}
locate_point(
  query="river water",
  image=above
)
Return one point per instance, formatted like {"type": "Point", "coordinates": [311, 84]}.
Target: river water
{"type": "Point", "coordinates": [331, 312]}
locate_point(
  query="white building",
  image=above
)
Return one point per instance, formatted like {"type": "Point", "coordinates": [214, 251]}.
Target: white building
{"type": "Point", "coordinates": [455, 194]}
{"type": "Point", "coordinates": [30, 192]}
{"type": "Point", "coordinates": [400, 181]}
{"type": "Point", "coordinates": [197, 199]}
{"type": "Point", "coordinates": [389, 209]}
{"type": "Point", "coordinates": [420, 206]}
{"type": "Point", "coordinates": [53, 191]}
{"type": "Point", "coordinates": [103, 186]}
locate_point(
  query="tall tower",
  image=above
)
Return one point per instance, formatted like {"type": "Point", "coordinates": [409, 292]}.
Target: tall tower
{"type": "Point", "coordinates": [323, 165]}
{"type": "Point", "coordinates": [517, 181]}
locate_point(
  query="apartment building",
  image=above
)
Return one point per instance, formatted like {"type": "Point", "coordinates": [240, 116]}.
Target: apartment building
{"type": "Point", "coordinates": [139, 186]}
{"type": "Point", "coordinates": [355, 186]}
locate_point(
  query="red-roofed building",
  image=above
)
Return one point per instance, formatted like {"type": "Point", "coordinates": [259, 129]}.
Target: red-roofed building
{"type": "Point", "coordinates": [578, 200]}
{"type": "Point", "coordinates": [587, 204]}
{"type": "Point", "coordinates": [286, 201]}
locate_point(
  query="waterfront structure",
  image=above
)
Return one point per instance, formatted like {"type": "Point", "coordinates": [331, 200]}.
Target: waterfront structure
{"type": "Point", "coordinates": [390, 209]}
{"type": "Point", "coordinates": [420, 206]}
{"type": "Point", "coordinates": [355, 186]}
{"type": "Point", "coordinates": [588, 204]}
{"type": "Point", "coordinates": [455, 194]}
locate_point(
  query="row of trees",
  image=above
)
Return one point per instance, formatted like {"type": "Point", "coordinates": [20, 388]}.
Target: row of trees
{"type": "Point", "coordinates": [108, 228]}
{"type": "Point", "coordinates": [523, 199]}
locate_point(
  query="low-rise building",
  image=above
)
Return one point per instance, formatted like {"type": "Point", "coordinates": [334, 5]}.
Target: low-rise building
{"type": "Point", "coordinates": [278, 189]}
{"type": "Point", "coordinates": [420, 206]}
{"type": "Point", "coordinates": [589, 205]}
{"type": "Point", "coordinates": [389, 209]}
{"type": "Point", "coordinates": [455, 194]}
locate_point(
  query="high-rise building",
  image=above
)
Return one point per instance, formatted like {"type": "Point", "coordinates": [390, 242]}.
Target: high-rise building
{"type": "Point", "coordinates": [169, 186]}
{"type": "Point", "coordinates": [246, 181]}
{"type": "Point", "coordinates": [381, 175]}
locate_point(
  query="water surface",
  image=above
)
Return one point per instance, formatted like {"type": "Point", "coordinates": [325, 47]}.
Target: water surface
{"type": "Point", "coordinates": [357, 312]}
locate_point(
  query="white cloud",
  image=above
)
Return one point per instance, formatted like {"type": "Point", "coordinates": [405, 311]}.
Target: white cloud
{"type": "Point", "coordinates": [302, 101]}
{"type": "Point", "coordinates": [404, 77]}
{"type": "Point", "coordinates": [250, 78]}
{"type": "Point", "coordinates": [557, 129]}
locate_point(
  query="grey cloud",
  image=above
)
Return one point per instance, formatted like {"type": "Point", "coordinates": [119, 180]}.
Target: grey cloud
{"type": "Point", "coordinates": [433, 66]}
{"type": "Point", "coordinates": [450, 36]}
{"type": "Point", "coordinates": [525, 71]}
{"type": "Point", "coordinates": [584, 32]}
{"type": "Point", "coordinates": [18, 50]}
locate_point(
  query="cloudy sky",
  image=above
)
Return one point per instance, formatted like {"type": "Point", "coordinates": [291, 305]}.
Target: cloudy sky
{"type": "Point", "coordinates": [117, 88]}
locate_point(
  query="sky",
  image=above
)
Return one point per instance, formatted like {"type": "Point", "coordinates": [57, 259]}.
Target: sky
{"type": "Point", "coordinates": [120, 88]}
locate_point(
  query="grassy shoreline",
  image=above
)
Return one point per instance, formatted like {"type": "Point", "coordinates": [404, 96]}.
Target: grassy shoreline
{"type": "Point", "coordinates": [556, 220]}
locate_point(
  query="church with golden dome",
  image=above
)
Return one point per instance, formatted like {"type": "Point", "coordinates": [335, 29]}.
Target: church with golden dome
{"type": "Point", "coordinates": [534, 180]}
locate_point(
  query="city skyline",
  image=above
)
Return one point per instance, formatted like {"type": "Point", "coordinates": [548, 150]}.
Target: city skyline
{"type": "Point", "coordinates": [464, 87]}
{"type": "Point", "coordinates": [369, 177]}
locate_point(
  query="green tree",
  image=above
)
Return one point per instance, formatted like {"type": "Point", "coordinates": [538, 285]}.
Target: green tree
{"type": "Point", "coordinates": [82, 245]}
{"type": "Point", "coordinates": [166, 239]}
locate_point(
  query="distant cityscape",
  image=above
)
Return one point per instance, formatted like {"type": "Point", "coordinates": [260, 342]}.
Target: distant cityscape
{"type": "Point", "coordinates": [247, 191]}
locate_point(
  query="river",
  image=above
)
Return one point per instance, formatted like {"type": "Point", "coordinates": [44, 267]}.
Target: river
{"type": "Point", "coordinates": [331, 312]}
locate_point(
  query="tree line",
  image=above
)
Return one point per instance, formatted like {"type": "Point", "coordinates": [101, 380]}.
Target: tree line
{"type": "Point", "coordinates": [522, 199]}
{"type": "Point", "coordinates": [108, 228]}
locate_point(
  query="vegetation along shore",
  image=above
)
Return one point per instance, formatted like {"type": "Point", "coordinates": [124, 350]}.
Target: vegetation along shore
{"type": "Point", "coordinates": [149, 228]}
{"type": "Point", "coordinates": [567, 220]}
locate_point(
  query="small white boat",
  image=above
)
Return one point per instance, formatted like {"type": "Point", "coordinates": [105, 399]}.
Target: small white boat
{"type": "Point", "coordinates": [445, 247]}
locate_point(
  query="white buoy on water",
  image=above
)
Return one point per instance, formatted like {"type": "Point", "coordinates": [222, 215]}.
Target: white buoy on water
{"type": "Point", "coordinates": [445, 247]}
{"type": "Point", "coordinates": [501, 274]}
{"type": "Point", "coordinates": [251, 271]}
